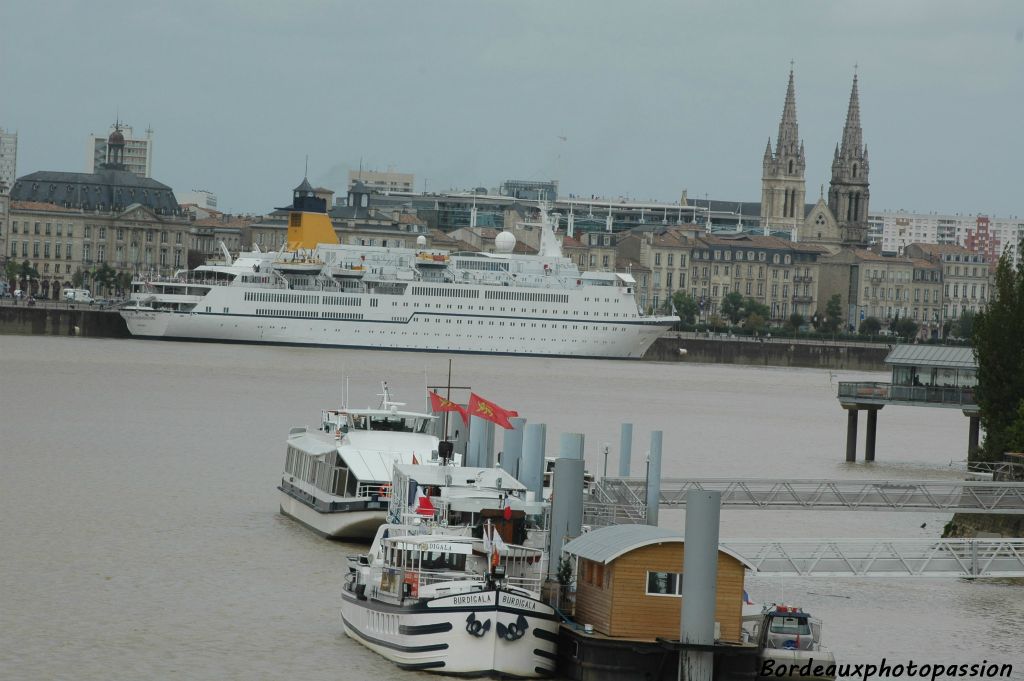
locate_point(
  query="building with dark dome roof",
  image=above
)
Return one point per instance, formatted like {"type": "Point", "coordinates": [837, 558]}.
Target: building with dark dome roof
{"type": "Point", "coordinates": [73, 226]}
{"type": "Point", "coordinates": [108, 189]}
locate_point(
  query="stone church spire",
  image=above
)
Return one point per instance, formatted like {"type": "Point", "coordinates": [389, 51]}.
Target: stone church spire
{"type": "Point", "coordinates": [848, 192]}
{"type": "Point", "coordinates": [788, 141]}
{"type": "Point", "coordinates": [853, 138]}
{"type": "Point", "coordinates": [782, 177]}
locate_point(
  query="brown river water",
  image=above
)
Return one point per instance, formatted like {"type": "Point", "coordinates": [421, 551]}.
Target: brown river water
{"type": "Point", "coordinates": [140, 536]}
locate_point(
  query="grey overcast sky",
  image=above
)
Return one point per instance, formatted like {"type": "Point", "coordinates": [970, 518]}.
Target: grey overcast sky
{"type": "Point", "coordinates": [638, 99]}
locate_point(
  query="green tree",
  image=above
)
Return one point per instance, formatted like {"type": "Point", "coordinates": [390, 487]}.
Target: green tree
{"type": "Point", "coordinates": [11, 272]}
{"type": "Point", "coordinates": [716, 322]}
{"type": "Point", "coordinates": [795, 321]}
{"type": "Point", "coordinates": [997, 348]}
{"type": "Point", "coordinates": [752, 307]}
{"type": "Point", "coordinates": [27, 273]}
{"type": "Point", "coordinates": [77, 278]}
{"type": "Point", "coordinates": [194, 259]}
{"type": "Point", "coordinates": [1015, 432]}
{"type": "Point", "coordinates": [870, 326]}
{"type": "Point", "coordinates": [124, 281]}
{"type": "Point", "coordinates": [104, 278]}
{"type": "Point", "coordinates": [754, 322]}
{"type": "Point", "coordinates": [833, 313]}
{"type": "Point", "coordinates": [732, 306]}
{"type": "Point", "coordinates": [964, 327]}
{"type": "Point", "coordinates": [686, 306]}
{"type": "Point", "coordinates": [904, 327]}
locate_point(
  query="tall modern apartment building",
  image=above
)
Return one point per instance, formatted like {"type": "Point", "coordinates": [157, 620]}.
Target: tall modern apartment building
{"type": "Point", "coordinates": [138, 151]}
{"type": "Point", "coordinates": [980, 234]}
{"type": "Point", "coordinates": [8, 157]}
{"type": "Point", "coordinates": [383, 181]}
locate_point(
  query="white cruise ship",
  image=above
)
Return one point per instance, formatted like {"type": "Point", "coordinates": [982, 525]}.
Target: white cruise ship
{"type": "Point", "coordinates": [320, 292]}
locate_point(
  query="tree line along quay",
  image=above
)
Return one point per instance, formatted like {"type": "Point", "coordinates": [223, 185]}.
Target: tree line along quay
{"type": "Point", "coordinates": [999, 394]}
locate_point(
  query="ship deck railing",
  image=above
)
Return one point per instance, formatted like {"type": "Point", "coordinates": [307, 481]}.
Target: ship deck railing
{"type": "Point", "coordinates": [381, 490]}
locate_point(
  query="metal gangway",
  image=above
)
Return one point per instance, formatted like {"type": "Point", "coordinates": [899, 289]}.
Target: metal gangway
{"type": "Point", "coordinates": [623, 500]}
{"type": "Point", "coordinates": [969, 558]}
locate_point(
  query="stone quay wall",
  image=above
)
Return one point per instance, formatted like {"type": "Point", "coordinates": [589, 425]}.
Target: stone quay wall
{"type": "Point", "coordinates": [769, 352]}
{"type": "Point", "coordinates": [61, 320]}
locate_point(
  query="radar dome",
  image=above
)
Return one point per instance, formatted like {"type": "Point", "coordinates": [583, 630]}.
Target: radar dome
{"type": "Point", "coordinates": [421, 241]}
{"type": "Point", "coordinates": [505, 242]}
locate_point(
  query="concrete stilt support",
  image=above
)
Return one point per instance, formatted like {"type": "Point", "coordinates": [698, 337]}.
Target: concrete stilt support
{"type": "Point", "coordinates": [571, 446]}
{"type": "Point", "coordinates": [654, 479]}
{"type": "Point", "coordinates": [459, 437]}
{"type": "Point", "coordinates": [851, 435]}
{"type": "Point", "coordinates": [869, 439]}
{"type": "Point", "coordinates": [481, 443]}
{"type": "Point", "coordinates": [972, 438]}
{"type": "Point", "coordinates": [566, 509]}
{"type": "Point", "coordinates": [700, 567]}
{"type": "Point", "coordinates": [531, 467]}
{"type": "Point", "coordinates": [512, 447]}
{"type": "Point", "coordinates": [625, 449]}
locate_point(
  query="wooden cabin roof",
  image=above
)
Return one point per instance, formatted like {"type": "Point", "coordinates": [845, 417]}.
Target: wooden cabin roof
{"type": "Point", "coordinates": [605, 544]}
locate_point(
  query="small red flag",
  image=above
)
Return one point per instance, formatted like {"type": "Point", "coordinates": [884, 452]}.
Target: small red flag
{"type": "Point", "coordinates": [507, 513]}
{"type": "Point", "coordinates": [489, 411]}
{"type": "Point", "coordinates": [438, 403]}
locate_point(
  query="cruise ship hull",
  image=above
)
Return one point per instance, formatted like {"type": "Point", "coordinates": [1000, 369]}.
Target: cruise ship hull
{"type": "Point", "coordinates": [480, 633]}
{"type": "Point", "coordinates": [432, 333]}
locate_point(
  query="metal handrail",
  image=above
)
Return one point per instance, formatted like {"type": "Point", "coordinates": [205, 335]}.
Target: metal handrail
{"type": "Point", "coordinates": [969, 558]}
{"type": "Point", "coordinates": [958, 395]}
{"type": "Point", "coordinates": [894, 495]}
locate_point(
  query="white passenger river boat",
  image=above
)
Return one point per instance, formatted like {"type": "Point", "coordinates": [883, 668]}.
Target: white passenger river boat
{"type": "Point", "coordinates": [452, 584]}
{"type": "Point", "coordinates": [446, 603]}
{"type": "Point", "coordinates": [337, 478]}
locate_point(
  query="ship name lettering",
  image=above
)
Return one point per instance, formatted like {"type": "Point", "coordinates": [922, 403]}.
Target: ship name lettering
{"type": "Point", "coordinates": [518, 602]}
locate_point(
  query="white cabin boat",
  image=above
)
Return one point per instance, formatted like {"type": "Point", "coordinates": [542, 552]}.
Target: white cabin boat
{"type": "Point", "coordinates": [337, 478]}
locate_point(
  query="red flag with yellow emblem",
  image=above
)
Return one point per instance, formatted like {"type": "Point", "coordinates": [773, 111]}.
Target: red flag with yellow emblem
{"type": "Point", "coordinates": [439, 404]}
{"type": "Point", "coordinates": [489, 411]}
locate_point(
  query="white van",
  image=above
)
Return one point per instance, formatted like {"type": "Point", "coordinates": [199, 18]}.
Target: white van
{"type": "Point", "coordinates": [77, 295]}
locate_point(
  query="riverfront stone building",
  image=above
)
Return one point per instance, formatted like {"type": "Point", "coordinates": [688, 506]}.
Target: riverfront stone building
{"type": "Point", "coordinates": [61, 222]}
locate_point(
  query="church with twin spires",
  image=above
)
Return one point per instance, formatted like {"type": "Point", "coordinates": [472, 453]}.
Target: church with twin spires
{"type": "Point", "coordinates": [841, 218]}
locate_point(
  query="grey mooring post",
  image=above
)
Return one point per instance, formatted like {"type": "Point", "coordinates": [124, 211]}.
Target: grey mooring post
{"type": "Point", "coordinates": [571, 446]}
{"type": "Point", "coordinates": [531, 466]}
{"type": "Point", "coordinates": [700, 579]}
{"type": "Point", "coordinates": [654, 478]}
{"type": "Point", "coordinates": [481, 443]}
{"type": "Point", "coordinates": [459, 437]}
{"type": "Point", "coordinates": [566, 509]}
{"type": "Point", "coordinates": [512, 448]}
{"type": "Point", "coordinates": [625, 449]}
